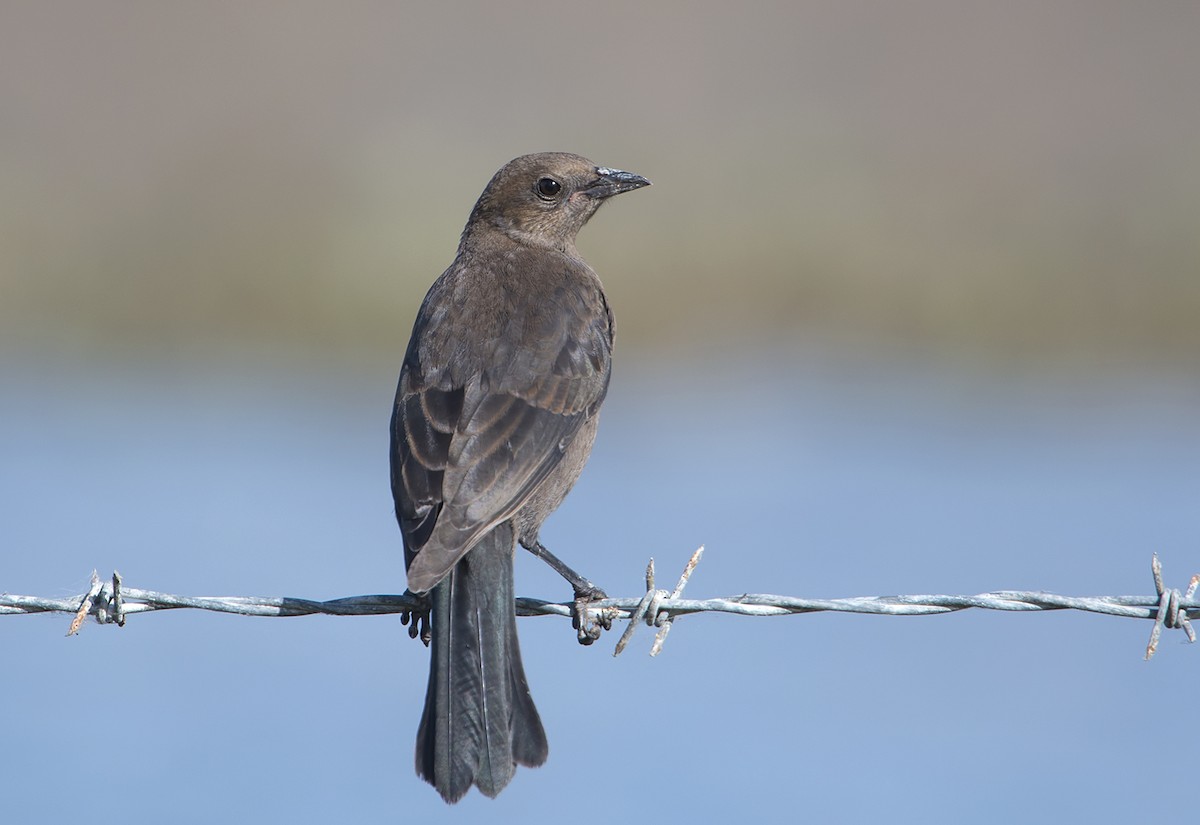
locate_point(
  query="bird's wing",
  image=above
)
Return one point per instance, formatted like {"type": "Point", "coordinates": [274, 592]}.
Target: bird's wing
{"type": "Point", "coordinates": [470, 446]}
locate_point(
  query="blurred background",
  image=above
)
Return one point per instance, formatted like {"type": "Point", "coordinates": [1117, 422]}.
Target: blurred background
{"type": "Point", "coordinates": [911, 307]}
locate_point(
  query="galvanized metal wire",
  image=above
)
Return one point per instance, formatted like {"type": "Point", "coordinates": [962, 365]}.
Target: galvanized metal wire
{"type": "Point", "coordinates": [111, 602]}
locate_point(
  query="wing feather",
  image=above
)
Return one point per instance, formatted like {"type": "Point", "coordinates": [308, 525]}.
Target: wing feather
{"type": "Point", "coordinates": [474, 438]}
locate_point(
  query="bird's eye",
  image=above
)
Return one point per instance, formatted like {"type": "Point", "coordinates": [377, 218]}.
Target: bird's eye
{"type": "Point", "coordinates": [548, 187]}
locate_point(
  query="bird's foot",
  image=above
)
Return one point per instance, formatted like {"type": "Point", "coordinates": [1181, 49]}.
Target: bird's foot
{"type": "Point", "coordinates": [589, 622]}
{"type": "Point", "coordinates": [418, 618]}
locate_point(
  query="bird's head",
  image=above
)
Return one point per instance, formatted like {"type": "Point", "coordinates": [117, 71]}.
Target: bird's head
{"type": "Point", "coordinates": [545, 199]}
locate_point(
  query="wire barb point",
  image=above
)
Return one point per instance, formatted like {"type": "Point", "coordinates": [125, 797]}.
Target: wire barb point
{"type": "Point", "coordinates": [651, 610]}
{"type": "Point", "coordinates": [86, 605]}
{"type": "Point", "coordinates": [1170, 613]}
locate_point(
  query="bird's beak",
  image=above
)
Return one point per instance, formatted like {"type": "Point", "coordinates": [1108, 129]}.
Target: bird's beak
{"type": "Point", "coordinates": [613, 182]}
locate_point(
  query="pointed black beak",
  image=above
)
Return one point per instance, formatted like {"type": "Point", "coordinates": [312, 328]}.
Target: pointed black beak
{"type": "Point", "coordinates": [613, 182]}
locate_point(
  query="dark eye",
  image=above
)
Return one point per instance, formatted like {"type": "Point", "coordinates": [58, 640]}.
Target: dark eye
{"type": "Point", "coordinates": [548, 187]}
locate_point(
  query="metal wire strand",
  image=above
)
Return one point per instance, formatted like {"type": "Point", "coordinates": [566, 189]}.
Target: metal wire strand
{"type": "Point", "coordinates": [111, 603]}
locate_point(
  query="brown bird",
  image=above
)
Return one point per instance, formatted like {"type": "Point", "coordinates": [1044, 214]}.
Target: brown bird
{"type": "Point", "coordinates": [494, 418]}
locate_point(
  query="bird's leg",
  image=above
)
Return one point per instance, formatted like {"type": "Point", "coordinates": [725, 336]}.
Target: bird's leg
{"type": "Point", "coordinates": [585, 593]}
{"type": "Point", "coordinates": [582, 586]}
{"type": "Point", "coordinates": [417, 619]}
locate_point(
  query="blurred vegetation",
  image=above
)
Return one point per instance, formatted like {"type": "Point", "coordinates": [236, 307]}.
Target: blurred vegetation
{"type": "Point", "coordinates": [1019, 181]}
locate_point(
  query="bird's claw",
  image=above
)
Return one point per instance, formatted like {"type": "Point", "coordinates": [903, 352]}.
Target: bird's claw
{"type": "Point", "coordinates": [418, 618]}
{"type": "Point", "coordinates": [588, 622]}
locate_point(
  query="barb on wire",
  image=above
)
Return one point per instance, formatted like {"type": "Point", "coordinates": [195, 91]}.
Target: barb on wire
{"type": "Point", "coordinates": [112, 602]}
{"type": "Point", "coordinates": [650, 607]}
{"type": "Point", "coordinates": [1172, 607]}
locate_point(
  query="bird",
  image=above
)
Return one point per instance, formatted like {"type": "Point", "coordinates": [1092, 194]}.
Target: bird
{"type": "Point", "coordinates": [494, 418]}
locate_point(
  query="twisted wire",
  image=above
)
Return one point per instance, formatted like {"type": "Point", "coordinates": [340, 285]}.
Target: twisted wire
{"type": "Point", "coordinates": [110, 602]}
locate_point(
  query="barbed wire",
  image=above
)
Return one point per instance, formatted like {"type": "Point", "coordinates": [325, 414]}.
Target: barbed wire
{"type": "Point", "coordinates": [111, 602]}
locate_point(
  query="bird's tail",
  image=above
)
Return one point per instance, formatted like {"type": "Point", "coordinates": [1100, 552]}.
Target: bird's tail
{"type": "Point", "coordinates": [479, 721]}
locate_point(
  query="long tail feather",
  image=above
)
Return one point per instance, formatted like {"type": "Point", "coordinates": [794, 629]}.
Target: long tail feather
{"type": "Point", "coordinates": [479, 721]}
